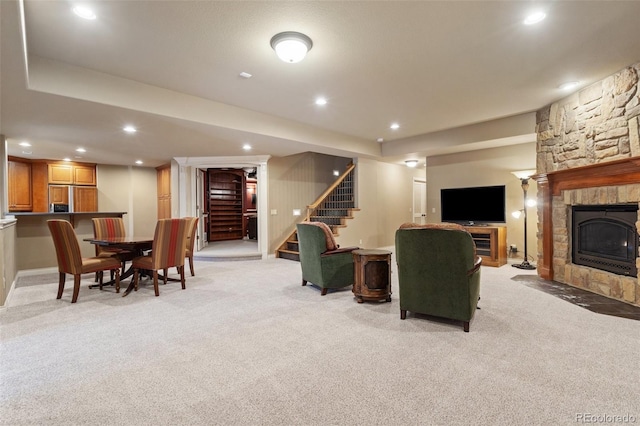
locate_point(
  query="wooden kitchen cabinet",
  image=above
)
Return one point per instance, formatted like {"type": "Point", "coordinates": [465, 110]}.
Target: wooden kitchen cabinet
{"type": "Point", "coordinates": [85, 199]}
{"type": "Point", "coordinates": [61, 174]}
{"type": "Point", "coordinates": [19, 180]}
{"type": "Point", "coordinates": [72, 174]}
{"type": "Point", "coordinates": [58, 194]}
{"type": "Point", "coordinates": [164, 191]}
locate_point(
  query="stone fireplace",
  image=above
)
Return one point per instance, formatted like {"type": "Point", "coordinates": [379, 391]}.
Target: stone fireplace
{"type": "Point", "coordinates": [589, 156]}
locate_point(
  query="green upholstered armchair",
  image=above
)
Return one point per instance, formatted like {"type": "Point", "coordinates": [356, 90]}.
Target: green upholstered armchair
{"type": "Point", "coordinates": [323, 263]}
{"type": "Point", "coordinates": [438, 271]}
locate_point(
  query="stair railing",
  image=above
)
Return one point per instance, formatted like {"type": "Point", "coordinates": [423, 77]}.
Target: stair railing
{"type": "Point", "coordinates": [347, 175]}
{"type": "Point", "coordinates": [323, 200]}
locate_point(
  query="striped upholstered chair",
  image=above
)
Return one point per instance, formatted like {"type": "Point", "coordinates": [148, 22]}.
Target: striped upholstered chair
{"type": "Point", "coordinates": [70, 260]}
{"type": "Point", "coordinates": [104, 227]}
{"type": "Point", "coordinates": [191, 240]}
{"type": "Point", "coordinates": [168, 250]}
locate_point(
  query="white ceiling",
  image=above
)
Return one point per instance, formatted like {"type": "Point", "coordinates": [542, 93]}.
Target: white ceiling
{"type": "Point", "coordinates": [171, 68]}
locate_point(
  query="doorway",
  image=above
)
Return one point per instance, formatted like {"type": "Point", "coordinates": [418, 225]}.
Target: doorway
{"type": "Point", "coordinates": [194, 191]}
{"type": "Point", "coordinates": [419, 201]}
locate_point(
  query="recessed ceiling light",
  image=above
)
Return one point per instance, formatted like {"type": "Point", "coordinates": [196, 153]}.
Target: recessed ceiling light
{"type": "Point", "coordinates": [336, 172]}
{"type": "Point", "coordinates": [321, 101]}
{"type": "Point", "coordinates": [24, 143]}
{"type": "Point", "coordinates": [27, 152]}
{"type": "Point", "coordinates": [84, 12]}
{"type": "Point", "coordinates": [380, 139]}
{"type": "Point", "coordinates": [245, 75]}
{"type": "Point", "coordinates": [246, 147]}
{"type": "Point", "coordinates": [534, 18]}
{"type": "Point", "coordinates": [81, 150]}
{"type": "Point", "coordinates": [394, 126]}
{"type": "Point", "coordinates": [138, 162]}
{"type": "Point", "coordinates": [129, 129]}
{"type": "Point", "coordinates": [66, 159]}
{"type": "Point", "coordinates": [569, 85]}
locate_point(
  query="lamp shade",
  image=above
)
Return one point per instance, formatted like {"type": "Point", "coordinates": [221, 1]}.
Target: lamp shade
{"type": "Point", "coordinates": [291, 46]}
{"type": "Point", "coordinates": [524, 174]}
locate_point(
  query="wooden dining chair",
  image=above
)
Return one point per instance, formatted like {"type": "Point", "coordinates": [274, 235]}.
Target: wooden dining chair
{"type": "Point", "coordinates": [107, 227]}
{"type": "Point", "coordinates": [191, 239]}
{"type": "Point", "coordinates": [168, 250]}
{"type": "Point", "coordinates": [70, 260]}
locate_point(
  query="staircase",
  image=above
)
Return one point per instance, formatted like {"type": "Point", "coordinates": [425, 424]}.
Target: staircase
{"type": "Point", "coordinates": [333, 207]}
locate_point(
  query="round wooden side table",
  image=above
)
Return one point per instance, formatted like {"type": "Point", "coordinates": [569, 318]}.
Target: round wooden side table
{"type": "Point", "coordinates": [372, 275]}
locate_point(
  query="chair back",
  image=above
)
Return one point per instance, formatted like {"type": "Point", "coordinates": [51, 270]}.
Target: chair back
{"type": "Point", "coordinates": [107, 227]}
{"type": "Point", "coordinates": [435, 267]}
{"type": "Point", "coordinates": [191, 234]}
{"type": "Point", "coordinates": [169, 243]}
{"type": "Point", "coordinates": [67, 247]}
{"type": "Point", "coordinates": [311, 244]}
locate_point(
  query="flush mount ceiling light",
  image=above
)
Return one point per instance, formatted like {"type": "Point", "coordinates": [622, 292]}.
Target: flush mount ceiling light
{"type": "Point", "coordinates": [534, 18]}
{"type": "Point", "coordinates": [129, 129]}
{"type": "Point", "coordinates": [394, 126]}
{"type": "Point", "coordinates": [84, 13]}
{"type": "Point", "coordinates": [291, 46]}
{"type": "Point", "coordinates": [411, 163]}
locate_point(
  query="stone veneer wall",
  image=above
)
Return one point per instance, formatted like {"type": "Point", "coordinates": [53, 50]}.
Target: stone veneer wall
{"type": "Point", "coordinates": [597, 124]}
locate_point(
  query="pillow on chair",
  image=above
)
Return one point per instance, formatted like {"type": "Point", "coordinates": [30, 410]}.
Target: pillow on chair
{"type": "Point", "coordinates": [328, 235]}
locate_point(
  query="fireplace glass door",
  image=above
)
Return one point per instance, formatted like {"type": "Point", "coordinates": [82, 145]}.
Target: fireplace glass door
{"type": "Point", "coordinates": [604, 237]}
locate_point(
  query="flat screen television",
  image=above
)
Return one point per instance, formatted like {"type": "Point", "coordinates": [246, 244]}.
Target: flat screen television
{"type": "Point", "coordinates": [467, 206]}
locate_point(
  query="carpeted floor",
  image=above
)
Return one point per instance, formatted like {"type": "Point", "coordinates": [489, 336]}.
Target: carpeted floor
{"type": "Point", "coordinates": [246, 344]}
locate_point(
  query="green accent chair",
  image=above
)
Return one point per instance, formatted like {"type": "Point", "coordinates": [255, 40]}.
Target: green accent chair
{"type": "Point", "coordinates": [438, 271]}
{"type": "Point", "coordinates": [323, 263]}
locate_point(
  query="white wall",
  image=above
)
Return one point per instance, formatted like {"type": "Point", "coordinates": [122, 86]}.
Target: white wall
{"type": "Point", "coordinates": [133, 190]}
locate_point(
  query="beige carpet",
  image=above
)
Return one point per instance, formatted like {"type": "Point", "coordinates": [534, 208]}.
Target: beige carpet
{"type": "Point", "coordinates": [246, 344]}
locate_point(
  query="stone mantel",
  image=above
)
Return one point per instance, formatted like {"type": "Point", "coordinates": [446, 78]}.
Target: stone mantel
{"type": "Point", "coordinates": [607, 174]}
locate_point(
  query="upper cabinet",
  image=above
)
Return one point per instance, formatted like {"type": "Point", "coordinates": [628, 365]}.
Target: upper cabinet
{"type": "Point", "coordinates": [19, 180]}
{"type": "Point", "coordinates": [164, 191]}
{"type": "Point", "coordinates": [85, 199]}
{"type": "Point", "coordinates": [76, 174]}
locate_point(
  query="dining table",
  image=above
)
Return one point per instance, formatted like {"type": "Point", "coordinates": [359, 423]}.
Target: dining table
{"type": "Point", "coordinates": [136, 244]}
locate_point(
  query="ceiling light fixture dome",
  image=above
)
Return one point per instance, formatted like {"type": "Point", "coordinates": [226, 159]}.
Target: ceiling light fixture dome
{"type": "Point", "coordinates": [291, 46]}
{"type": "Point", "coordinates": [84, 12]}
{"type": "Point", "coordinates": [534, 18]}
{"type": "Point", "coordinates": [411, 163]}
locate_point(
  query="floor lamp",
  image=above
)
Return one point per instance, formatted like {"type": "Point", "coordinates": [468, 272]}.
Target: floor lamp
{"type": "Point", "coordinates": [524, 179]}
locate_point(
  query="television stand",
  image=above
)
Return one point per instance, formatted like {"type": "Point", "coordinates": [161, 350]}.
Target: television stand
{"type": "Point", "coordinates": [491, 243]}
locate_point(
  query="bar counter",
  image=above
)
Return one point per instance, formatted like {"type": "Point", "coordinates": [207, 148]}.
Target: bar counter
{"type": "Point", "coordinates": [34, 246]}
